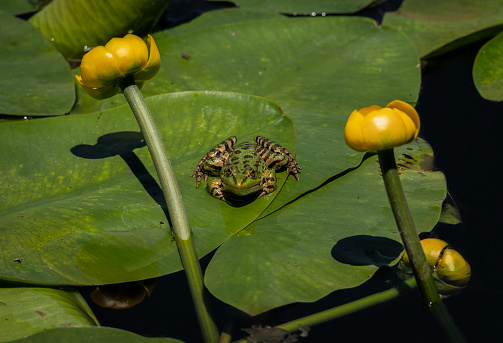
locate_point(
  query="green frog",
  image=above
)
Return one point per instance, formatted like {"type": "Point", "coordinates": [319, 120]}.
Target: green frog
{"type": "Point", "coordinates": [245, 168]}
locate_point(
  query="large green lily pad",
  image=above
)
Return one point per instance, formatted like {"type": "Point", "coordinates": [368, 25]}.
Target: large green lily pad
{"type": "Point", "coordinates": [26, 311]}
{"type": "Point", "coordinates": [80, 201]}
{"type": "Point", "coordinates": [36, 80]}
{"type": "Point", "coordinates": [436, 27]}
{"type": "Point", "coordinates": [488, 69]}
{"type": "Point", "coordinates": [318, 69]}
{"type": "Point", "coordinates": [333, 238]}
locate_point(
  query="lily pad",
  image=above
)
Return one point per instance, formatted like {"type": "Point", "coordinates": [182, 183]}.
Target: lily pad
{"type": "Point", "coordinates": [436, 27]}
{"type": "Point", "coordinates": [304, 7]}
{"type": "Point", "coordinates": [488, 69]}
{"type": "Point", "coordinates": [318, 69]}
{"type": "Point", "coordinates": [73, 26]}
{"type": "Point", "coordinates": [80, 200]}
{"type": "Point", "coordinates": [91, 334]}
{"type": "Point", "coordinates": [16, 7]}
{"type": "Point", "coordinates": [36, 79]}
{"type": "Point", "coordinates": [26, 311]}
{"type": "Point", "coordinates": [333, 238]}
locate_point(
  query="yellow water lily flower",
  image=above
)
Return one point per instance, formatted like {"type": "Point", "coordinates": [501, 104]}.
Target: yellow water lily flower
{"type": "Point", "coordinates": [447, 264]}
{"type": "Point", "coordinates": [104, 67]}
{"type": "Point", "coordinates": [378, 128]}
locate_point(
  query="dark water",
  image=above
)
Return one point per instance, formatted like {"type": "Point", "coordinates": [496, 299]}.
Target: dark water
{"type": "Point", "coordinates": [465, 132]}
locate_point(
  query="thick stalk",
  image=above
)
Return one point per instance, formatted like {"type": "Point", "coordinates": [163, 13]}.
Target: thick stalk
{"type": "Point", "coordinates": [417, 258]}
{"type": "Point", "coordinates": [176, 209]}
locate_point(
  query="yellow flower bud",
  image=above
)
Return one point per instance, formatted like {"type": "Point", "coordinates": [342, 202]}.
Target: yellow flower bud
{"type": "Point", "coordinates": [377, 128]}
{"type": "Point", "coordinates": [104, 67]}
{"type": "Point", "coordinates": [450, 270]}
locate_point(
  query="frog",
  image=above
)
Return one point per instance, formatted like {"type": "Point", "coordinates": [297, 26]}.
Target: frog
{"type": "Point", "coordinates": [245, 169]}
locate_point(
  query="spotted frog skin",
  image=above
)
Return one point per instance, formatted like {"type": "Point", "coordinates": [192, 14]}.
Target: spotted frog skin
{"type": "Point", "coordinates": [245, 168]}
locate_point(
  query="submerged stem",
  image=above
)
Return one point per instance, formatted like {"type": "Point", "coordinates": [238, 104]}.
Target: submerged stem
{"type": "Point", "coordinates": [179, 222]}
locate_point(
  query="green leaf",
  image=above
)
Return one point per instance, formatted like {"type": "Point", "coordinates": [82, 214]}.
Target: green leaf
{"type": "Point", "coordinates": [436, 27]}
{"type": "Point", "coordinates": [36, 80]}
{"type": "Point", "coordinates": [333, 238]}
{"type": "Point", "coordinates": [25, 311]}
{"type": "Point", "coordinates": [16, 7]}
{"type": "Point", "coordinates": [91, 334]}
{"type": "Point", "coordinates": [72, 26]}
{"type": "Point", "coordinates": [80, 200]}
{"type": "Point", "coordinates": [318, 69]}
{"type": "Point", "coordinates": [488, 69]}
{"type": "Point", "coordinates": [304, 7]}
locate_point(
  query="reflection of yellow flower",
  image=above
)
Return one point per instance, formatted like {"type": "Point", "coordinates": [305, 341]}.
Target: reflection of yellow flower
{"type": "Point", "coordinates": [377, 128]}
{"type": "Point", "coordinates": [447, 264]}
{"type": "Point", "coordinates": [104, 67]}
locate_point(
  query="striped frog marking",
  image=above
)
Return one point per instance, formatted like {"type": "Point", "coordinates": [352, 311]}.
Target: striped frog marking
{"type": "Point", "coordinates": [245, 168]}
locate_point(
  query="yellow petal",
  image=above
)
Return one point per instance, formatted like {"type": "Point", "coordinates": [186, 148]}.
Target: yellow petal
{"type": "Point", "coordinates": [353, 131]}
{"type": "Point", "coordinates": [453, 269]}
{"type": "Point", "coordinates": [99, 68]}
{"type": "Point", "coordinates": [153, 64]}
{"type": "Point", "coordinates": [130, 53]}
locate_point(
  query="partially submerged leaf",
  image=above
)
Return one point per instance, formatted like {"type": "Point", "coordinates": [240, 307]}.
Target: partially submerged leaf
{"type": "Point", "coordinates": [123, 295]}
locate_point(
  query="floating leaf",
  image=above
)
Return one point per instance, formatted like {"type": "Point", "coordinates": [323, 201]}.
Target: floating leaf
{"type": "Point", "coordinates": [436, 27]}
{"type": "Point", "coordinates": [91, 334]}
{"type": "Point", "coordinates": [80, 200]}
{"type": "Point", "coordinates": [25, 311]}
{"type": "Point", "coordinates": [488, 69]}
{"type": "Point", "coordinates": [333, 238]}
{"type": "Point", "coordinates": [36, 80]}
{"type": "Point", "coordinates": [304, 7]}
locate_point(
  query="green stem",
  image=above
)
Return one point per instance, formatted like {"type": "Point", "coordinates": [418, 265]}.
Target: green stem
{"type": "Point", "coordinates": [340, 311]}
{"type": "Point", "coordinates": [407, 229]}
{"type": "Point", "coordinates": [176, 209]}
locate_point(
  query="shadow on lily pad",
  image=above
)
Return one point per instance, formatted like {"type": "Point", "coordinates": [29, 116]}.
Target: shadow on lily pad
{"type": "Point", "coordinates": [364, 250]}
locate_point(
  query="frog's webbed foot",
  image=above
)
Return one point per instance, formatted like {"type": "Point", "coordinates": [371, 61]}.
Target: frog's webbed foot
{"type": "Point", "coordinates": [277, 156]}
{"type": "Point", "coordinates": [216, 190]}
{"type": "Point", "coordinates": [198, 174]}
{"type": "Point", "coordinates": [293, 166]}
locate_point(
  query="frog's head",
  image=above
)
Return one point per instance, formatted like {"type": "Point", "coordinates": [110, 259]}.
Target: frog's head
{"type": "Point", "coordinates": [241, 179]}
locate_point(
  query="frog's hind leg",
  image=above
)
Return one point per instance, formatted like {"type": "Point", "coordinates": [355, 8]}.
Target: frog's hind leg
{"type": "Point", "coordinates": [277, 156]}
{"type": "Point", "coordinates": [213, 161]}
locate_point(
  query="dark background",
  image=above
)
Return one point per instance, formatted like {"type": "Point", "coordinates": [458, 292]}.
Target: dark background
{"type": "Point", "coordinates": [464, 131]}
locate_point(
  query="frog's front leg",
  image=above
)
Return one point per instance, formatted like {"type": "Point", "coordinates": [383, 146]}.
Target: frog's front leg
{"type": "Point", "coordinates": [269, 182]}
{"type": "Point", "coordinates": [277, 156]}
{"type": "Point", "coordinates": [213, 161]}
{"type": "Point", "coordinates": [216, 189]}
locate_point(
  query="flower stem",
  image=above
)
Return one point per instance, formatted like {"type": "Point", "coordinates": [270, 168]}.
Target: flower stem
{"type": "Point", "coordinates": [407, 229]}
{"type": "Point", "coordinates": [176, 209]}
{"type": "Point", "coordinates": [342, 310]}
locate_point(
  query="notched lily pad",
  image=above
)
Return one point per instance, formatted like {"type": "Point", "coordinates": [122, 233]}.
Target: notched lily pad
{"type": "Point", "coordinates": [81, 203]}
